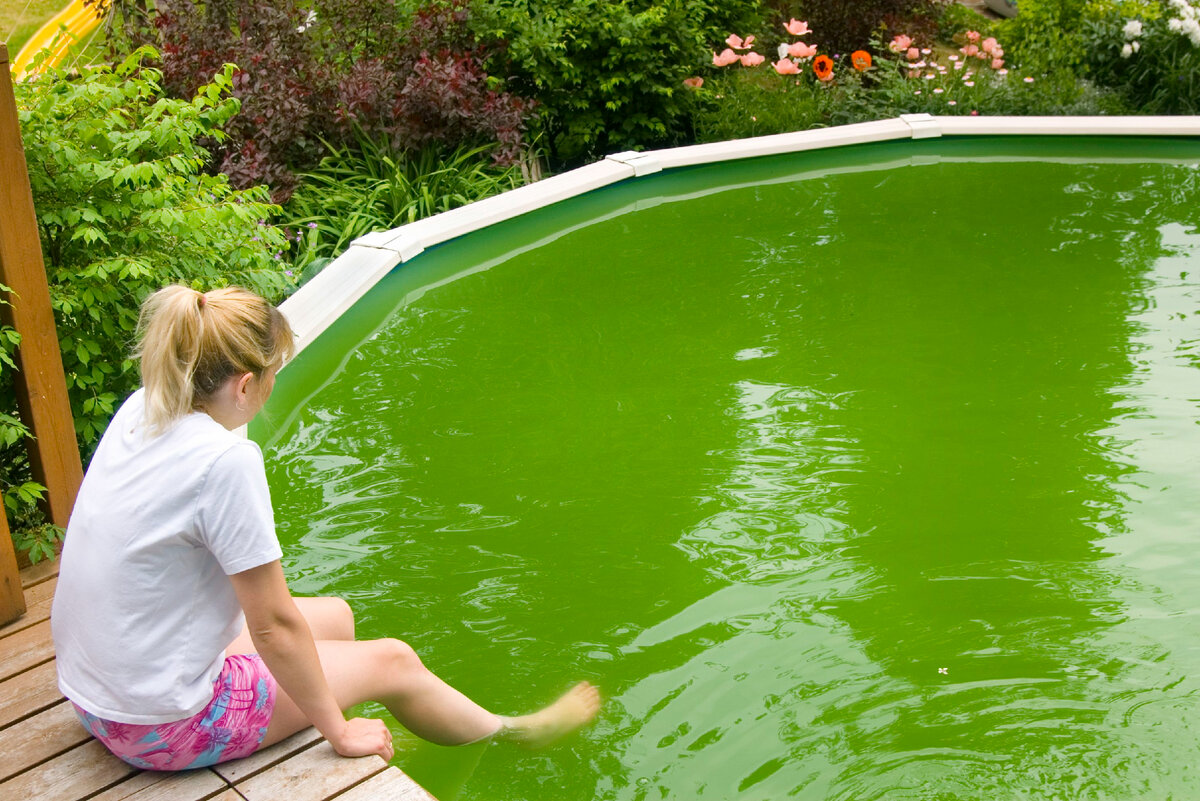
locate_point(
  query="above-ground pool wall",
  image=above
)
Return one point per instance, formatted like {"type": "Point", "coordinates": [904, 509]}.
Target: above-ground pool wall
{"type": "Point", "coordinates": [368, 259]}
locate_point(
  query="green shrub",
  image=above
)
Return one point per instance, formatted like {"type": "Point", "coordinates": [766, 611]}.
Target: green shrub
{"type": "Point", "coordinates": [1045, 34]}
{"type": "Point", "coordinates": [123, 207]}
{"type": "Point", "coordinates": [1150, 51]}
{"type": "Point", "coordinates": [374, 188]}
{"type": "Point", "coordinates": [607, 74]}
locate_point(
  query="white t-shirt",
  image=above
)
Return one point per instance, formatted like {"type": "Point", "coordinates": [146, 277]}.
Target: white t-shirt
{"type": "Point", "coordinates": [144, 608]}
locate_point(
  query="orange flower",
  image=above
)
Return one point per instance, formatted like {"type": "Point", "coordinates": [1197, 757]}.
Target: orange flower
{"type": "Point", "coordinates": [861, 60]}
{"type": "Point", "coordinates": [823, 67]}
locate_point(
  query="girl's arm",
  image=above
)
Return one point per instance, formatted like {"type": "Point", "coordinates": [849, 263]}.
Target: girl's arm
{"type": "Point", "coordinates": [282, 638]}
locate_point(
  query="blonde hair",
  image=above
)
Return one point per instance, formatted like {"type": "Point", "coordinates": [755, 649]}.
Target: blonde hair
{"type": "Point", "coordinates": [191, 342]}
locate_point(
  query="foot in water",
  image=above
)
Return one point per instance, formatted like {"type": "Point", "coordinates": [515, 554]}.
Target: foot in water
{"type": "Point", "coordinates": [578, 706]}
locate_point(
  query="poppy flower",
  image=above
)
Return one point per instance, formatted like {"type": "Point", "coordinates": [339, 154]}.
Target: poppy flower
{"type": "Point", "coordinates": [736, 42]}
{"type": "Point", "coordinates": [693, 83]}
{"type": "Point", "coordinates": [901, 42]}
{"type": "Point", "coordinates": [861, 60]}
{"type": "Point", "coordinates": [796, 27]}
{"type": "Point", "coordinates": [724, 58]}
{"type": "Point", "coordinates": [823, 67]}
{"type": "Point", "coordinates": [801, 50]}
{"type": "Point", "coordinates": [752, 60]}
{"type": "Point", "coordinates": [786, 66]}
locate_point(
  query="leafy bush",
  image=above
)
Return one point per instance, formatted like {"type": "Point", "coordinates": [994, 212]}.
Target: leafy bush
{"type": "Point", "coordinates": [124, 207]}
{"type": "Point", "coordinates": [310, 74]}
{"type": "Point", "coordinates": [374, 188]}
{"type": "Point", "coordinates": [608, 74]}
{"type": "Point", "coordinates": [1150, 50]}
{"type": "Point", "coordinates": [1046, 34]}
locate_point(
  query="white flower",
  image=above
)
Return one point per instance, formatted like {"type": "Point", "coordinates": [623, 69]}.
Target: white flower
{"type": "Point", "coordinates": [782, 50]}
{"type": "Point", "coordinates": [1133, 29]}
{"type": "Point", "coordinates": [1126, 51]}
{"type": "Point", "coordinates": [1175, 25]}
{"type": "Point", "coordinates": [308, 21]}
{"type": "Point", "coordinates": [1136, 46]}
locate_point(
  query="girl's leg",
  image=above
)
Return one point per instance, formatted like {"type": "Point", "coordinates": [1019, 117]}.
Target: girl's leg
{"type": "Point", "coordinates": [390, 672]}
{"type": "Point", "coordinates": [328, 618]}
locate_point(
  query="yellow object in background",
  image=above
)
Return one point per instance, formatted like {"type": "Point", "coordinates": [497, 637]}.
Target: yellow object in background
{"type": "Point", "coordinates": [78, 19]}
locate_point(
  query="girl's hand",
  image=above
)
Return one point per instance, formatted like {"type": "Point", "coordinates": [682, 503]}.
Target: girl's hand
{"type": "Point", "coordinates": [363, 737]}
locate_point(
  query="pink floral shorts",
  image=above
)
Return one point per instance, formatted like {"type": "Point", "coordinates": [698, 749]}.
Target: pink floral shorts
{"type": "Point", "coordinates": [230, 727]}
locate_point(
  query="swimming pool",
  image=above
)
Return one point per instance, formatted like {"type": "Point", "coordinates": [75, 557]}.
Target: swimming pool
{"type": "Point", "coordinates": [859, 473]}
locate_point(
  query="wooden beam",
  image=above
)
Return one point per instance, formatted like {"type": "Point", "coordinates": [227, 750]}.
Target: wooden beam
{"type": "Point", "coordinates": [41, 385]}
{"type": "Point", "coordinates": [12, 597]}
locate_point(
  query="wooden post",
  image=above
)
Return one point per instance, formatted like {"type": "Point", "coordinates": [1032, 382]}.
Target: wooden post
{"type": "Point", "coordinates": [41, 385]}
{"type": "Point", "coordinates": [12, 597]}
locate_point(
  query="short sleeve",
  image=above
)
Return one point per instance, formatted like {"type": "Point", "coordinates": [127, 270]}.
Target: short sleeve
{"type": "Point", "coordinates": [236, 522]}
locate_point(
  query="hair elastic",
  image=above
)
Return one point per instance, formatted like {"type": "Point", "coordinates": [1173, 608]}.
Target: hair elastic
{"type": "Point", "coordinates": [201, 300]}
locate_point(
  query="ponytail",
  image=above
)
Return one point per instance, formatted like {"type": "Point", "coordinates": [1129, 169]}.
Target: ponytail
{"type": "Point", "coordinates": [191, 342]}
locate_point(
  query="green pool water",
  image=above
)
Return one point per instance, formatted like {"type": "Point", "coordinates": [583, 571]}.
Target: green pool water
{"type": "Point", "coordinates": [870, 473]}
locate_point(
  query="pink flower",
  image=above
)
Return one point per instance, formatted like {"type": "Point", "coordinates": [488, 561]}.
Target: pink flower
{"type": "Point", "coordinates": [997, 63]}
{"type": "Point", "coordinates": [972, 36]}
{"type": "Point", "coordinates": [694, 82]}
{"type": "Point", "coordinates": [1028, 80]}
{"type": "Point", "coordinates": [785, 66]}
{"type": "Point", "coordinates": [802, 50]}
{"type": "Point", "coordinates": [951, 102]}
{"type": "Point", "coordinates": [752, 60]}
{"type": "Point", "coordinates": [913, 54]}
{"type": "Point", "coordinates": [958, 65]}
{"type": "Point", "coordinates": [965, 83]}
{"type": "Point", "coordinates": [726, 58]}
{"type": "Point", "coordinates": [974, 113]}
{"type": "Point", "coordinates": [901, 42]}
{"type": "Point", "coordinates": [796, 28]}
{"type": "Point", "coordinates": [989, 44]}
{"type": "Point", "coordinates": [969, 50]}
{"type": "Point", "coordinates": [736, 42]}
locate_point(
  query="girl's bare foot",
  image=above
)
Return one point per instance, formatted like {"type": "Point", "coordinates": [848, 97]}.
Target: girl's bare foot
{"type": "Point", "coordinates": [578, 706]}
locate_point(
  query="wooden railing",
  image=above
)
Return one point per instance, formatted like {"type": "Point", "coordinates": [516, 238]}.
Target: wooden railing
{"type": "Point", "coordinates": [40, 383]}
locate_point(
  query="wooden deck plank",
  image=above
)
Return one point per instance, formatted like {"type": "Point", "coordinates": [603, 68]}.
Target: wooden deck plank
{"type": "Point", "coordinates": [242, 769]}
{"type": "Point", "coordinates": [315, 774]}
{"type": "Point", "coordinates": [391, 785]}
{"type": "Point", "coordinates": [34, 574]}
{"type": "Point", "coordinates": [77, 774]}
{"type": "Point", "coordinates": [28, 692]}
{"type": "Point", "coordinates": [41, 737]}
{"type": "Point", "coordinates": [25, 649]}
{"type": "Point", "coordinates": [188, 785]}
{"type": "Point", "coordinates": [38, 599]}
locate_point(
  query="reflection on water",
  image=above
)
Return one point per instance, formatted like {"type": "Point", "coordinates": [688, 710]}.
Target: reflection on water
{"type": "Point", "coordinates": [840, 493]}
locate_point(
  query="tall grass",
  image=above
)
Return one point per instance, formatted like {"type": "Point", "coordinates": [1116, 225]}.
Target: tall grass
{"type": "Point", "coordinates": [371, 187]}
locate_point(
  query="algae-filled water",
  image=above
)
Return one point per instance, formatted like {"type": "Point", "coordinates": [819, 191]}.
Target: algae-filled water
{"type": "Point", "coordinates": [859, 474]}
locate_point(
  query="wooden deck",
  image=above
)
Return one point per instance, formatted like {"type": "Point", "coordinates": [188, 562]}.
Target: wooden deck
{"type": "Point", "coordinates": [46, 754]}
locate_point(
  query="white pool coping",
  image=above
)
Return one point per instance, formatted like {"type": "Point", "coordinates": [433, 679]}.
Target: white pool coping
{"type": "Point", "coordinates": [319, 303]}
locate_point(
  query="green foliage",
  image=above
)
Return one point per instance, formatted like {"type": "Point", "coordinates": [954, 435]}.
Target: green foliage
{"type": "Point", "coordinates": [957, 19]}
{"type": "Point", "coordinates": [124, 207]}
{"type": "Point", "coordinates": [608, 74]}
{"type": "Point", "coordinates": [1157, 67]}
{"type": "Point", "coordinates": [1044, 35]}
{"type": "Point", "coordinates": [756, 102]}
{"type": "Point", "coordinates": [375, 188]}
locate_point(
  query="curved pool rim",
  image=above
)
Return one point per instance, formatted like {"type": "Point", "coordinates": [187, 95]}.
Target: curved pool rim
{"type": "Point", "coordinates": [319, 303]}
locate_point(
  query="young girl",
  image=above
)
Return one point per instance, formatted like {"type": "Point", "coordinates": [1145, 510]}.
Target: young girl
{"type": "Point", "coordinates": [177, 639]}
